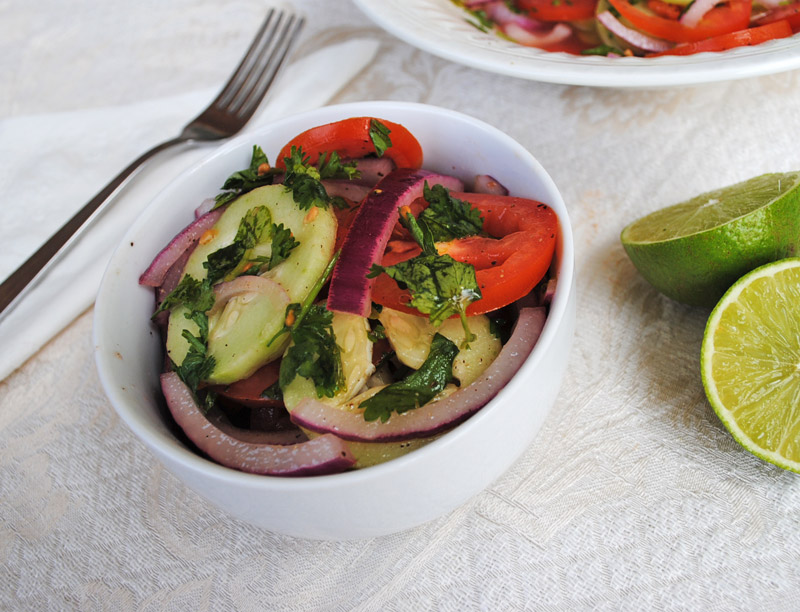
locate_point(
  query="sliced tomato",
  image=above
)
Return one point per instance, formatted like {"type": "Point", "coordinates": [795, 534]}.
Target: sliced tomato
{"type": "Point", "coordinates": [742, 38]}
{"type": "Point", "coordinates": [344, 219]}
{"type": "Point", "coordinates": [729, 17]}
{"type": "Point", "coordinates": [559, 10]}
{"type": "Point", "coordinates": [664, 9]}
{"type": "Point", "coordinates": [789, 13]}
{"type": "Point", "coordinates": [248, 390]}
{"type": "Point", "coordinates": [507, 266]}
{"type": "Point", "coordinates": [350, 139]}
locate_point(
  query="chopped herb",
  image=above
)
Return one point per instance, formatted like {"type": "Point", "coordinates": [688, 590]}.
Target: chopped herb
{"type": "Point", "coordinates": [228, 260]}
{"type": "Point", "coordinates": [482, 21]}
{"type": "Point", "coordinates": [272, 392]}
{"type": "Point", "coordinates": [197, 365]}
{"type": "Point", "coordinates": [283, 242]}
{"type": "Point", "coordinates": [377, 332]}
{"type": "Point", "coordinates": [440, 286]}
{"type": "Point", "coordinates": [314, 353]}
{"type": "Point", "coordinates": [447, 217]}
{"type": "Point", "coordinates": [194, 294]}
{"type": "Point", "coordinates": [602, 50]}
{"type": "Point", "coordinates": [339, 202]}
{"type": "Point", "coordinates": [419, 387]}
{"type": "Point", "coordinates": [304, 179]}
{"type": "Point", "coordinates": [379, 134]}
{"type": "Point", "coordinates": [246, 180]}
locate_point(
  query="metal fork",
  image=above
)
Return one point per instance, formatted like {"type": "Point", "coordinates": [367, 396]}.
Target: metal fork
{"type": "Point", "coordinates": [224, 117]}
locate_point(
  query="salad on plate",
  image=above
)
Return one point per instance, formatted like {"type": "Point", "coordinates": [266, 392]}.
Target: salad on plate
{"type": "Point", "coordinates": [343, 306]}
{"type": "Point", "coordinates": [648, 28]}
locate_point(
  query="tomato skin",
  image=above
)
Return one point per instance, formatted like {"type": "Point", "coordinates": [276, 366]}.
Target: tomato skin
{"type": "Point", "coordinates": [350, 139]}
{"type": "Point", "coordinates": [741, 38]}
{"type": "Point", "coordinates": [248, 390]}
{"type": "Point", "coordinates": [664, 9]}
{"type": "Point", "coordinates": [559, 10]}
{"type": "Point", "coordinates": [719, 20]}
{"type": "Point", "coordinates": [506, 268]}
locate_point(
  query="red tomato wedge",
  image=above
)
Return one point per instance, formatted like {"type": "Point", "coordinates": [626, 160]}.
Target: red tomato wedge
{"type": "Point", "coordinates": [730, 17]}
{"type": "Point", "coordinates": [789, 13]}
{"type": "Point", "coordinates": [350, 139]}
{"type": "Point", "coordinates": [507, 266]}
{"type": "Point", "coordinates": [559, 10]}
{"type": "Point", "coordinates": [742, 38]}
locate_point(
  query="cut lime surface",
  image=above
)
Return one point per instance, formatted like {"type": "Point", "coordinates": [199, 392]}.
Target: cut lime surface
{"type": "Point", "coordinates": [695, 250]}
{"type": "Point", "coordinates": [750, 362]}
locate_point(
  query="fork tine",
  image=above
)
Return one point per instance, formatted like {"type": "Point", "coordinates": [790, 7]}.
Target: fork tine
{"type": "Point", "coordinates": [265, 33]}
{"type": "Point", "coordinates": [261, 78]}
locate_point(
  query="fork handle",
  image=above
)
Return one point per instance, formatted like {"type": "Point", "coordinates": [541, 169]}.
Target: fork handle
{"type": "Point", "coordinates": [21, 281]}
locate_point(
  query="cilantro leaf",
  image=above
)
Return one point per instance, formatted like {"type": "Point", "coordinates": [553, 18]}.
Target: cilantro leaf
{"type": "Point", "coordinates": [283, 242]}
{"type": "Point", "coordinates": [379, 134]}
{"type": "Point", "coordinates": [304, 180]}
{"type": "Point", "coordinates": [253, 228]}
{"type": "Point", "coordinates": [447, 217]}
{"type": "Point", "coordinates": [223, 260]}
{"type": "Point", "coordinates": [440, 286]}
{"type": "Point", "coordinates": [313, 353]}
{"type": "Point", "coordinates": [242, 181]}
{"type": "Point", "coordinates": [602, 50]}
{"type": "Point", "coordinates": [194, 294]}
{"type": "Point", "coordinates": [419, 387]}
{"type": "Point", "coordinates": [197, 365]}
{"type": "Point", "coordinates": [331, 167]}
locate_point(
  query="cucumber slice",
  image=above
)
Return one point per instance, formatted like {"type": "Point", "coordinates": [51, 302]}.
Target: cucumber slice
{"type": "Point", "coordinates": [410, 337]}
{"type": "Point", "coordinates": [239, 331]}
{"type": "Point", "coordinates": [350, 332]}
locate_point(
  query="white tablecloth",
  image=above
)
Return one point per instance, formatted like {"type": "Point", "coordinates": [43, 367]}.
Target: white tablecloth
{"type": "Point", "coordinates": [632, 496]}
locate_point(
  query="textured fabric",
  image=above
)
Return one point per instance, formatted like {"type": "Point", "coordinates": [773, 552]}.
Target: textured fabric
{"type": "Point", "coordinates": [632, 497]}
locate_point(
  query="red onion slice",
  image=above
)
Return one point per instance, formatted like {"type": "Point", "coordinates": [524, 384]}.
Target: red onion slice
{"type": "Point", "coordinates": [350, 289]}
{"type": "Point", "coordinates": [696, 11]}
{"type": "Point", "coordinates": [157, 270]}
{"type": "Point", "coordinates": [488, 184]}
{"type": "Point", "coordinates": [326, 454]}
{"type": "Point", "coordinates": [354, 191]}
{"type": "Point", "coordinates": [502, 15]}
{"type": "Point", "coordinates": [205, 206]}
{"type": "Point", "coordinates": [523, 36]}
{"type": "Point", "coordinates": [374, 169]}
{"type": "Point", "coordinates": [241, 285]}
{"type": "Point", "coordinates": [632, 37]}
{"type": "Point", "coordinates": [435, 417]}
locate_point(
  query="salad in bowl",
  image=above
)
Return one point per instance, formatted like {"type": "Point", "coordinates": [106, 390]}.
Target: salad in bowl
{"type": "Point", "coordinates": [650, 28]}
{"type": "Point", "coordinates": [362, 286]}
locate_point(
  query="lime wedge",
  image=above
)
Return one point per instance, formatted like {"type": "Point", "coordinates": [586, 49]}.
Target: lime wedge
{"type": "Point", "coordinates": [750, 362]}
{"type": "Point", "coordinates": [693, 251]}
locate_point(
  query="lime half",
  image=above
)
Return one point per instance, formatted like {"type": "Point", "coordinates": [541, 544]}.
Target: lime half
{"type": "Point", "coordinates": [750, 362]}
{"type": "Point", "coordinates": [693, 251]}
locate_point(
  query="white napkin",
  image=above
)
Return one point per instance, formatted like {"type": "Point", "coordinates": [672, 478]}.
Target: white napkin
{"type": "Point", "coordinates": [51, 165]}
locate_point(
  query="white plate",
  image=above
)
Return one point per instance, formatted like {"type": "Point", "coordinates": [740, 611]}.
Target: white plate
{"type": "Point", "coordinates": [441, 28]}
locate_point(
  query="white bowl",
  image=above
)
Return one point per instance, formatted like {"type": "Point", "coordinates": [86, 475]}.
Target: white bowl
{"type": "Point", "coordinates": [379, 500]}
